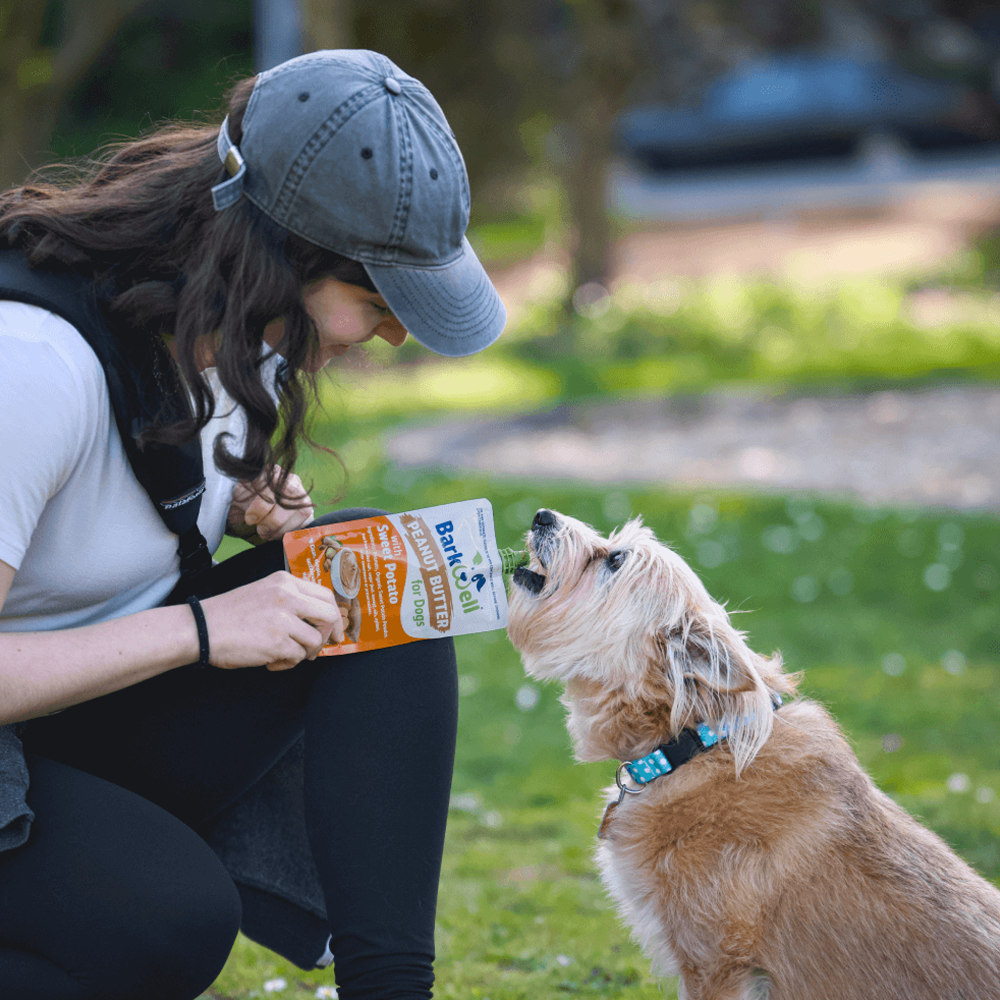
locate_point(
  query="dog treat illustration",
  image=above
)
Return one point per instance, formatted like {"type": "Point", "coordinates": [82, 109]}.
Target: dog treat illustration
{"type": "Point", "coordinates": [350, 572]}
{"type": "Point", "coordinates": [745, 846]}
{"type": "Point", "coordinates": [345, 573]}
{"type": "Point", "coordinates": [331, 547]}
{"type": "Point", "coordinates": [353, 631]}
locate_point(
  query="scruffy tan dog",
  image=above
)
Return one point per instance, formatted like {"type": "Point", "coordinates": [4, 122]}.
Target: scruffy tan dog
{"type": "Point", "coordinates": [768, 864]}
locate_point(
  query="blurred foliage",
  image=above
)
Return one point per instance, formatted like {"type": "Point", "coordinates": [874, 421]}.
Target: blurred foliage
{"type": "Point", "coordinates": [527, 84]}
{"type": "Point", "coordinates": [173, 59]}
{"type": "Point", "coordinates": [45, 47]}
{"type": "Point", "coordinates": [984, 269]}
{"type": "Point", "coordinates": [778, 24]}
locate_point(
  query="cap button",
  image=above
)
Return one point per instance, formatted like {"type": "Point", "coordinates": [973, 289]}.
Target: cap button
{"type": "Point", "coordinates": [392, 85]}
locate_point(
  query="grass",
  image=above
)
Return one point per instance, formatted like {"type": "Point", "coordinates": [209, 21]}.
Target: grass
{"type": "Point", "coordinates": [693, 336]}
{"type": "Point", "coordinates": [892, 614]}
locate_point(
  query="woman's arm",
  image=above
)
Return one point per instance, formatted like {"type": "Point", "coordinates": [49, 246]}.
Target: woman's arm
{"type": "Point", "coordinates": [266, 622]}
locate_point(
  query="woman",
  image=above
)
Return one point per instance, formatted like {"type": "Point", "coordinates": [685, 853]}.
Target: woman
{"type": "Point", "coordinates": [138, 722]}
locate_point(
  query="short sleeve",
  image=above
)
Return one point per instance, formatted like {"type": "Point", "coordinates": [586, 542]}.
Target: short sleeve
{"type": "Point", "coordinates": [44, 421]}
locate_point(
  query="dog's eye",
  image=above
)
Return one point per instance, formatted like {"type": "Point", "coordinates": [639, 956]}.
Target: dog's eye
{"type": "Point", "coordinates": [616, 559]}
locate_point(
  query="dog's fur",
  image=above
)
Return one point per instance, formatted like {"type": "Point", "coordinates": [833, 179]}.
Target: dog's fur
{"type": "Point", "coordinates": [769, 865]}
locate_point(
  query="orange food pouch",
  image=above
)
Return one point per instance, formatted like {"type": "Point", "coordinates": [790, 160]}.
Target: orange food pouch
{"type": "Point", "coordinates": [404, 577]}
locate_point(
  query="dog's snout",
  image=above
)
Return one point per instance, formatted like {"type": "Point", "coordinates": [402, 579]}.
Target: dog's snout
{"type": "Point", "coordinates": [544, 519]}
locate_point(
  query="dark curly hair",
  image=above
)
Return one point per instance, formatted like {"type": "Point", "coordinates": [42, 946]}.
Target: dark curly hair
{"type": "Point", "coordinates": [139, 221]}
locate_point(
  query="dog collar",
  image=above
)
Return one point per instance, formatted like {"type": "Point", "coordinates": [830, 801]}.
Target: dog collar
{"type": "Point", "coordinates": [667, 757]}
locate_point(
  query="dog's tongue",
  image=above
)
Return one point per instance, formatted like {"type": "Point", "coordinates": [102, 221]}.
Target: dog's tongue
{"type": "Point", "coordinates": [531, 581]}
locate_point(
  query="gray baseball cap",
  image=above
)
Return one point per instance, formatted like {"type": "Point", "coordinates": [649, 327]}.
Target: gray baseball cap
{"type": "Point", "coordinates": [344, 149]}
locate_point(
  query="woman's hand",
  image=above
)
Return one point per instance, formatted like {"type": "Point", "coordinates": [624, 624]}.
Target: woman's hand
{"type": "Point", "coordinates": [254, 515]}
{"type": "Point", "coordinates": [277, 621]}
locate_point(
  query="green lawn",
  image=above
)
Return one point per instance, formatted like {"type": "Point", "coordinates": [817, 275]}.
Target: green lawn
{"type": "Point", "coordinates": [892, 615]}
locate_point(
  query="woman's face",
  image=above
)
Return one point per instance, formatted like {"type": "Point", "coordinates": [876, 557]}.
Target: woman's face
{"type": "Point", "coordinates": [344, 315]}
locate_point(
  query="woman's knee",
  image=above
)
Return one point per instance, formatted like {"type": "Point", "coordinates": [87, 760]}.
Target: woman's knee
{"type": "Point", "coordinates": [131, 902]}
{"type": "Point", "coordinates": [349, 514]}
{"type": "Point", "coordinates": [181, 949]}
{"type": "Point", "coordinates": [194, 950]}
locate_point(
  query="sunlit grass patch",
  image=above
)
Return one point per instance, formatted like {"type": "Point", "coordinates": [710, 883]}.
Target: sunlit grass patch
{"type": "Point", "coordinates": [691, 335]}
{"type": "Point", "coordinates": [494, 383]}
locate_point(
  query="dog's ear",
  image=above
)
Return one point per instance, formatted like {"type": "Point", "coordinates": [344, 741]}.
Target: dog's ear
{"type": "Point", "coordinates": [716, 678]}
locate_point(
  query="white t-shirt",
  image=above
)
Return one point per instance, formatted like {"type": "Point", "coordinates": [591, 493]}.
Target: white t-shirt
{"type": "Point", "coordinates": [84, 539]}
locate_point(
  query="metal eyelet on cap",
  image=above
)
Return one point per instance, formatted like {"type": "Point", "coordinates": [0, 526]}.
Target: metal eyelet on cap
{"type": "Point", "coordinates": [392, 85]}
{"type": "Point", "coordinates": [233, 161]}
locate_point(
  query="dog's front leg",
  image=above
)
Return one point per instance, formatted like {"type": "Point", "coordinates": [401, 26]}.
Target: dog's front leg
{"type": "Point", "coordinates": [728, 982]}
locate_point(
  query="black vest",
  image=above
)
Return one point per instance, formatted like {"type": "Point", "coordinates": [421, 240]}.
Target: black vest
{"type": "Point", "coordinates": [172, 475]}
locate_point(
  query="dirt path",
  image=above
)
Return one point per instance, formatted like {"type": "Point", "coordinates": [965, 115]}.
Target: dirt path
{"type": "Point", "coordinates": [934, 447]}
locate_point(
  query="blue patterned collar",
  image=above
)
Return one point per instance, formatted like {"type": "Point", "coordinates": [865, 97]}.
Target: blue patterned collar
{"type": "Point", "coordinates": [668, 757]}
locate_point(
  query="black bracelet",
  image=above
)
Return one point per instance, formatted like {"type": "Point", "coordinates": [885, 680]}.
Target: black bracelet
{"type": "Point", "coordinates": [199, 619]}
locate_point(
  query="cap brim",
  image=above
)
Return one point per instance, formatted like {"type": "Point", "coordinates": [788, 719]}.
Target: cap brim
{"type": "Point", "coordinates": [452, 309]}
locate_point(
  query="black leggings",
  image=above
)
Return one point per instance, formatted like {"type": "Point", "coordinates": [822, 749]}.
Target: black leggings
{"type": "Point", "coordinates": [115, 896]}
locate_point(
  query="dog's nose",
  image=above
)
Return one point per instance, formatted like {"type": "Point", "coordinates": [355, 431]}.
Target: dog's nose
{"type": "Point", "coordinates": [544, 518]}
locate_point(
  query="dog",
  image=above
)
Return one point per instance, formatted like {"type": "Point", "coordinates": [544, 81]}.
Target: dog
{"type": "Point", "coordinates": [765, 863]}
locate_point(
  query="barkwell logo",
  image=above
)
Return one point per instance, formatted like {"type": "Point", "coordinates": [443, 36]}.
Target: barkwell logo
{"type": "Point", "coordinates": [463, 578]}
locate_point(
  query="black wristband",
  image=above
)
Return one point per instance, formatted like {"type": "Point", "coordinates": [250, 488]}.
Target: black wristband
{"type": "Point", "coordinates": [199, 619]}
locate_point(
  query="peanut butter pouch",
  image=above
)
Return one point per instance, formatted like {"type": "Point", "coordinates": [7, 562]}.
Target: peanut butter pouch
{"type": "Point", "coordinates": [404, 577]}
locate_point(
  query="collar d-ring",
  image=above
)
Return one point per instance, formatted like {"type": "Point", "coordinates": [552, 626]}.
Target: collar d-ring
{"type": "Point", "coordinates": [625, 789]}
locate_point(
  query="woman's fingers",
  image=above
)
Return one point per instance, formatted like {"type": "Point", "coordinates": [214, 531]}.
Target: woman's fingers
{"type": "Point", "coordinates": [272, 520]}
{"type": "Point", "coordinates": [310, 636]}
{"type": "Point", "coordinates": [278, 521]}
{"type": "Point", "coordinates": [278, 621]}
{"type": "Point", "coordinates": [259, 508]}
{"type": "Point", "coordinates": [334, 633]}
{"type": "Point", "coordinates": [254, 507]}
{"type": "Point", "coordinates": [325, 619]}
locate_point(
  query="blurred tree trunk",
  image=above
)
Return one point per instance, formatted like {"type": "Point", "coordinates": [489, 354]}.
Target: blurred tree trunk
{"type": "Point", "coordinates": [602, 55]}
{"type": "Point", "coordinates": [585, 179]}
{"type": "Point", "coordinates": [36, 78]}
{"type": "Point", "coordinates": [327, 24]}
